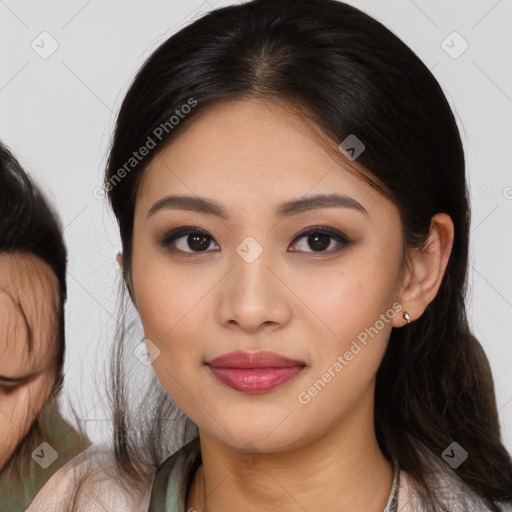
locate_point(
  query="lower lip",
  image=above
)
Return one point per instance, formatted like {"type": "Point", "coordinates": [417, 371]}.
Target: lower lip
{"type": "Point", "coordinates": [255, 380]}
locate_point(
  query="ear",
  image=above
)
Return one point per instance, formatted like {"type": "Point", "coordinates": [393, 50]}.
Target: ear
{"type": "Point", "coordinates": [425, 269]}
{"type": "Point", "coordinates": [127, 278]}
{"type": "Point", "coordinates": [120, 262]}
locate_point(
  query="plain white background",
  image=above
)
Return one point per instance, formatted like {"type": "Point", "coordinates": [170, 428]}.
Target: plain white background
{"type": "Point", "coordinates": [57, 115]}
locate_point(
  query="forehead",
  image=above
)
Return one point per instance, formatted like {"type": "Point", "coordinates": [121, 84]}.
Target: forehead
{"type": "Point", "coordinates": [29, 300]}
{"type": "Point", "coordinates": [249, 148]}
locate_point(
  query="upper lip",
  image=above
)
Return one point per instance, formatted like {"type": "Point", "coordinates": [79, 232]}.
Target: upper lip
{"type": "Point", "coordinates": [263, 359]}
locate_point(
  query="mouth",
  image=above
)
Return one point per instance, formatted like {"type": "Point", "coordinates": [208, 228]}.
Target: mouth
{"type": "Point", "coordinates": [254, 372]}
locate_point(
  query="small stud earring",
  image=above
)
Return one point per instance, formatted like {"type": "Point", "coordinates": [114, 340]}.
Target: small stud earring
{"type": "Point", "coordinates": [407, 317]}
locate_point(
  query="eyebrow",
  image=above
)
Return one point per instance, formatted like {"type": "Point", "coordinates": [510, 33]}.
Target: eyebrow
{"type": "Point", "coordinates": [208, 206]}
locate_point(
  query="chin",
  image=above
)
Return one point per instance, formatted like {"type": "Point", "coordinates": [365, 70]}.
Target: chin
{"type": "Point", "coordinates": [262, 438]}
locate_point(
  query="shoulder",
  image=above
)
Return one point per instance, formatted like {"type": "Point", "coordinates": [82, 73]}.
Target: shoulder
{"type": "Point", "coordinates": [88, 482]}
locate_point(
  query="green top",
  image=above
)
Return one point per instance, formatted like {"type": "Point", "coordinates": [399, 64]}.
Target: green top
{"type": "Point", "coordinates": [174, 478]}
{"type": "Point", "coordinates": [22, 477]}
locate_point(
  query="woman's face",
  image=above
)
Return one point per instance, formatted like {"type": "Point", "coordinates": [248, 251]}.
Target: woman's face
{"type": "Point", "coordinates": [253, 280]}
{"type": "Point", "coordinates": [28, 305]}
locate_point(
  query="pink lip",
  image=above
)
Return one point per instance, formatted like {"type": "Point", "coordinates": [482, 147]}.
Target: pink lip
{"type": "Point", "coordinates": [255, 372]}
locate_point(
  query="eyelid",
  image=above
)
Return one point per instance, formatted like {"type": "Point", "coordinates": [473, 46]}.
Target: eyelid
{"type": "Point", "coordinates": [170, 238]}
{"type": "Point", "coordinates": [8, 384]}
{"type": "Point", "coordinates": [181, 231]}
{"type": "Point", "coordinates": [335, 233]}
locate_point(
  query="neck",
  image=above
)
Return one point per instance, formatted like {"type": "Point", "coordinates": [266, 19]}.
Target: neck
{"type": "Point", "coordinates": [342, 470]}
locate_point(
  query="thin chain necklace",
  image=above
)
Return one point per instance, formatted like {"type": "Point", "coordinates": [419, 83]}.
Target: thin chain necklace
{"type": "Point", "coordinates": [391, 505]}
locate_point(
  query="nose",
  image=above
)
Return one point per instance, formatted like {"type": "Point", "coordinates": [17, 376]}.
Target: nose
{"type": "Point", "coordinates": [253, 295]}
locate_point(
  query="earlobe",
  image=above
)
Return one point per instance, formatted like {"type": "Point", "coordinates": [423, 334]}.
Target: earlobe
{"type": "Point", "coordinates": [426, 268]}
{"type": "Point", "coordinates": [119, 259]}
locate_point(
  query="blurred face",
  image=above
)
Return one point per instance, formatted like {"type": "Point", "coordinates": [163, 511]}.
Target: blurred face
{"type": "Point", "coordinates": [28, 302]}
{"type": "Point", "coordinates": [268, 312]}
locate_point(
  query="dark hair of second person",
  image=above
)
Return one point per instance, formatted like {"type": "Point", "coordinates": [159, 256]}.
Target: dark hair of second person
{"type": "Point", "coordinates": [33, 291]}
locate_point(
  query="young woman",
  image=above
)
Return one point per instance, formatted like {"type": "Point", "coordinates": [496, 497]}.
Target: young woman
{"type": "Point", "coordinates": [289, 183]}
{"type": "Point", "coordinates": [32, 296]}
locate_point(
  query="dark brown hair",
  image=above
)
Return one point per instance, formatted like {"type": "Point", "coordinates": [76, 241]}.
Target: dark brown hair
{"type": "Point", "coordinates": [28, 225]}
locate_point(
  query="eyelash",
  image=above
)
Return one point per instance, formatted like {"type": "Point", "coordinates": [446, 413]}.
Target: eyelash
{"type": "Point", "coordinates": [176, 234]}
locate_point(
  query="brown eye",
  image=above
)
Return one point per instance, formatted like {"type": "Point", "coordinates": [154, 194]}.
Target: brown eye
{"type": "Point", "coordinates": [187, 240]}
{"type": "Point", "coordinates": [197, 241]}
{"type": "Point", "coordinates": [320, 239]}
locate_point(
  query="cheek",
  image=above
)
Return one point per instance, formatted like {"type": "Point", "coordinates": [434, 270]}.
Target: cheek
{"type": "Point", "coordinates": [172, 305]}
{"type": "Point", "coordinates": [351, 296]}
{"type": "Point", "coordinates": [14, 424]}
{"type": "Point", "coordinates": [165, 299]}
{"type": "Point", "coordinates": [354, 302]}
{"type": "Point", "coordinates": [169, 297]}
{"type": "Point", "coordinates": [18, 410]}
{"type": "Point", "coordinates": [17, 415]}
